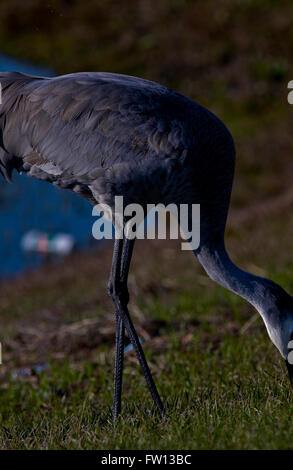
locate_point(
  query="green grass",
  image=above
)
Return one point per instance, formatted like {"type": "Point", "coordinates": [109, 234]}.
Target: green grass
{"type": "Point", "coordinates": [234, 396]}
{"type": "Point", "coordinates": [224, 387]}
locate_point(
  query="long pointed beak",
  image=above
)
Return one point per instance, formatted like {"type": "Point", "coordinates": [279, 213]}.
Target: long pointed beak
{"type": "Point", "coordinates": [290, 371]}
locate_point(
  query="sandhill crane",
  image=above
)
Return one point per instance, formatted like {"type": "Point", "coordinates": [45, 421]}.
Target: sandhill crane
{"type": "Point", "coordinates": [103, 134]}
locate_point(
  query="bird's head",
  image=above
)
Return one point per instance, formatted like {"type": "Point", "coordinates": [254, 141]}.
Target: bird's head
{"type": "Point", "coordinates": [278, 318]}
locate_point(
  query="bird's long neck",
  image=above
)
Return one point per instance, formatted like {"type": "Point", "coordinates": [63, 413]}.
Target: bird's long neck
{"type": "Point", "coordinates": [262, 293]}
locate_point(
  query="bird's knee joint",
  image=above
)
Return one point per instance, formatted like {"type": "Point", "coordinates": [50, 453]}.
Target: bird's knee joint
{"type": "Point", "coordinates": [118, 292]}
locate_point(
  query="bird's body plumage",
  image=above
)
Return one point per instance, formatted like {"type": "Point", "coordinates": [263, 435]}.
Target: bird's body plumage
{"type": "Point", "coordinates": [103, 135]}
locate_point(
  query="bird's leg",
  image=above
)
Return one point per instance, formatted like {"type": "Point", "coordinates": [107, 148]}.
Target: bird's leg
{"type": "Point", "coordinates": [120, 329]}
{"type": "Point", "coordinates": [119, 357]}
{"type": "Point", "coordinates": [119, 294]}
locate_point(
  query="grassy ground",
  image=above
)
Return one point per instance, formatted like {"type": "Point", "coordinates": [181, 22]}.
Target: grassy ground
{"type": "Point", "coordinates": [223, 382]}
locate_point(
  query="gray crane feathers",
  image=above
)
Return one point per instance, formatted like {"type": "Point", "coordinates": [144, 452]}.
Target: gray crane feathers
{"type": "Point", "coordinates": [101, 134]}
